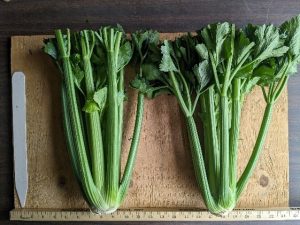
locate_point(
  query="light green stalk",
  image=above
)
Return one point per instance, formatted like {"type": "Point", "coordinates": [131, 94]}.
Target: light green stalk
{"type": "Point", "coordinates": [212, 152]}
{"type": "Point", "coordinates": [257, 149]}
{"type": "Point", "coordinates": [234, 133]}
{"type": "Point", "coordinates": [92, 118]}
{"type": "Point", "coordinates": [133, 148]}
{"type": "Point", "coordinates": [93, 195]}
{"type": "Point", "coordinates": [112, 40]}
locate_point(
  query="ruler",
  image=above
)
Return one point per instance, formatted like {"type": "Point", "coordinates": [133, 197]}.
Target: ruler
{"type": "Point", "coordinates": [156, 215]}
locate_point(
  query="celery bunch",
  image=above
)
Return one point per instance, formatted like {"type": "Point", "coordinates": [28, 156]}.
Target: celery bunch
{"type": "Point", "coordinates": [240, 59]}
{"type": "Point", "coordinates": [210, 74]}
{"type": "Point", "coordinates": [92, 67]}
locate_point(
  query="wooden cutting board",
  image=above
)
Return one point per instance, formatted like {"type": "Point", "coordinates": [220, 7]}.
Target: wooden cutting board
{"type": "Point", "coordinates": [163, 175]}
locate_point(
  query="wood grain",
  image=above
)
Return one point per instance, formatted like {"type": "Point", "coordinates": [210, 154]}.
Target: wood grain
{"type": "Point", "coordinates": [163, 175]}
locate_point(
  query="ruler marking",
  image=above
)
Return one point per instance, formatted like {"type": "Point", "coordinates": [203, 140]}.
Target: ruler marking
{"type": "Point", "coordinates": [129, 215]}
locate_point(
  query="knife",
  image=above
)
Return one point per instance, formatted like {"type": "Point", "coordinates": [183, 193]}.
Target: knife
{"type": "Point", "coordinates": [19, 136]}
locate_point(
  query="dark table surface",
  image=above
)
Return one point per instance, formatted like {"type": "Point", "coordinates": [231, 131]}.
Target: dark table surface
{"type": "Point", "coordinates": [20, 17]}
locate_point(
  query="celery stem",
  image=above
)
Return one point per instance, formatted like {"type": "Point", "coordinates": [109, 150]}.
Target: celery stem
{"type": "Point", "coordinates": [133, 148]}
{"type": "Point", "coordinates": [92, 193]}
{"type": "Point", "coordinates": [224, 194]}
{"type": "Point", "coordinates": [256, 150]}
{"type": "Point", "coordinates": [178, 94]}
{"type": "Point", "coordinates": [234, 133]}
{"type": "Point", "coordinates": [93, 125]}
{"type": "Point", "coordinates": [199, 165]}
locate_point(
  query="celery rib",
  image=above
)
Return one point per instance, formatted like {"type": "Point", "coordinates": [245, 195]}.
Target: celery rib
{"type": "Point", "coordinates": [133, 148]}
{"type": "Point", "coordinates": [256, 150]}
{"type": "Point", "coordinates": [199, 166]}
{"type": "Point", "coordinates": [93, 121]}
{"type": "Point", "coordinates": [94, 196]}
{"type": "Point", "coordinates": [234, 133]}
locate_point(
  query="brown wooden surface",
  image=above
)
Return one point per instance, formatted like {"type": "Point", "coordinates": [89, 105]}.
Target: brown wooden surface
{"type": "Point", "coordinates": [36, 17]}
{"type": "Point", "coordinates": [163, 175]}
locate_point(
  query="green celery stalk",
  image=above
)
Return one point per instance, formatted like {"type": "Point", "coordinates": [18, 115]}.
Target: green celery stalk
{"type": "Point", "coordinates": [92, 67]}
{"type": "Point", "coordinates": [234, 133]}
{"type": "Point", "coordinates": [112, 44]}
{"type": "Point", "coordinates": [93, 119]}
{"type": "Point", "coordinates": [133, 149]}
{"type": "Point", "coordinates": [256, 151]}
{"type": "Point", "coordinates": [92, 194]}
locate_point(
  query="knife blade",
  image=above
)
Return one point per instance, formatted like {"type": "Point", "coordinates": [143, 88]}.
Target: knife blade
{"type": "Point", "coordinates": [19, 136]}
